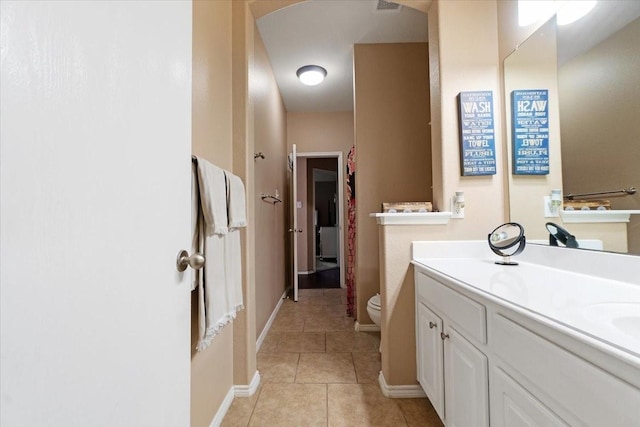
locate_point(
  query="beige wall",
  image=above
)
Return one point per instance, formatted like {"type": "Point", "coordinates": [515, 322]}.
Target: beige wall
{"type": "Point", "coordinates": [211, 369]}
{"type": "Point", "coordinates": [463, 56]}
{"type": "Point", "coordinates": [318, 132]}
{"type": "Point", "coordinates": [393, 157]}
{"type": "Point", "coordinates": [599, 94]}
{"type": "Point", "coordinates": [270, 176]}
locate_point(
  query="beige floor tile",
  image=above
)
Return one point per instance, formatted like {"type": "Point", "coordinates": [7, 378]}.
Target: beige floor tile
{"type": "Point", "coordinates": [320, 300]}
{"type": "Point", "coordinates": [361, 405]}
{"type": "Point", "coordinates": [270, 343]}
{"type": "Point", "coordinates": [292, 405]}
{"type": "Point", "coordinates": [301, 342]}
{"type": "Point", "coordinates": [310, 292]}
{"type": "Point", "coordinates": [288, 323]}
{"type": "Point", "coordinates": [278, 367]}
{"type": "Point", "coordinates": [335, 291]}
{"type": "Point", "coordinates": [352, 341]}
{"type": "Point", "coordinates": [367, 366]}
{"type": "Point", "coordinates": [335, 310]}
{"type": "Point", "coordinates": [326, 368]}
{"type": "Point", "coordinates": [323, 323]}
{"type": "Point", "coordinates": [332, 300]}
{"type": "Point", "coordinates": [419, 413]}
{"type": "Point", "coordinates": [240, 411]}
{"type": "Point", "coordinates": [302, 310]}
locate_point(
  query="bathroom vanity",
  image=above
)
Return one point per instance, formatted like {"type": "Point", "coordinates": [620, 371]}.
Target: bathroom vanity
{"type": "Point", "coordinates": [553, 341]}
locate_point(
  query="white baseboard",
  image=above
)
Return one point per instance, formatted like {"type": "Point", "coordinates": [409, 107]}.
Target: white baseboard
{"type": "Point", "coordinates": [305, 273]}
{"type": "Point", "coordinates": [266, 328]}
{"type": "Point", "coordinates": [235, 391]}
{"type": "Point", "coordinates": [400, 391]}
{"type": "Point", "coordinates": [248, 390]}
{"type": "Point", "coordinates": [366, 328]}
{"type": "Point", "coordinates": [224, 407]}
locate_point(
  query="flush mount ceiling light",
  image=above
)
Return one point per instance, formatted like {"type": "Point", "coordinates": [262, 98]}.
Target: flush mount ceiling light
{"type": "Point", "coordinates": [571, 11]}
{"type": "Point", "coordinates": [311, 75]}
{"type": "Point", "coordinates": [568, 11]}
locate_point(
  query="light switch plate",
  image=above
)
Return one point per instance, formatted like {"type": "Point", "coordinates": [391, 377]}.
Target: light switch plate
{"type": "Point", "coordinates": [299, 204]}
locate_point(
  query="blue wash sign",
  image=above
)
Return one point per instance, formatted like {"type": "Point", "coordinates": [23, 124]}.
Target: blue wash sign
{"type": "Point", "coordinates": [477, 134]}
{"type": "Point", "coordinates": [530, 131]}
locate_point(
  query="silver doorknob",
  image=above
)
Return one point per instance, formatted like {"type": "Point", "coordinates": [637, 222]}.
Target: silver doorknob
{"type": "Point", "coordinates": [195, 261]}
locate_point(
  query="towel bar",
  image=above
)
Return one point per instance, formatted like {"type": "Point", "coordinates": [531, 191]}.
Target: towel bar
{"type": "Point", "coordinates": [623, 192]}
{"type": "Point", "coordinates": [273, 199]}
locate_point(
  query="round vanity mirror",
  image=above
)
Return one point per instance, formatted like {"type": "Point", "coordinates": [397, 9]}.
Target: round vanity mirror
{"type": "Point", "coordinates": [506, 241]}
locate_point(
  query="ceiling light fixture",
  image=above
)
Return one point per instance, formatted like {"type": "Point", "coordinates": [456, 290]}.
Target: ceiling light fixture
{"type": "Point", "coordinates": [571, 11]}
{"type": "Point", "coordinates": [311, 75]}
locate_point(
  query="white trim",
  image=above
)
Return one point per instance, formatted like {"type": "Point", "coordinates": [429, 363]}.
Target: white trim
{"type": "Point", "coordinates": [413, 218]}
{"type": "Point", "coordinates": [400, 391]}
{"type": "Point", "coordinates": [597, 216]}
{"type": "Point", "coordinates": [359, 327]}
{"type": "Point", "coordinates": [266, 328]}
{"type": "Point", "coordinates": [343, 205]}
{"type": "Point", "coordinates": [248, 390]}
{"type": "Point", "coordinates": [224, 407]}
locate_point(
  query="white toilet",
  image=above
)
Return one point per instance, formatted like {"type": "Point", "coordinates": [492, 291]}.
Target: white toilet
{"type": "Point", "coordinates": [373, 308]}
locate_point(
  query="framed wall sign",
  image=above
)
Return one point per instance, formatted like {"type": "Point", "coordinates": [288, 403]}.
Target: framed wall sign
{"type": "Point", "coordinates": [530, 131]}
{"type": "Point", "coordinates": [477, 133]}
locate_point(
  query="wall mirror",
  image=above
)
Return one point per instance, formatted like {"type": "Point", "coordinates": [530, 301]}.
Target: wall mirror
{"type": "Point", "coordinates": [591, 70]}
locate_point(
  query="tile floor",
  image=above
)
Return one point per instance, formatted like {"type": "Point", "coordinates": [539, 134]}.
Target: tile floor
{"type": "Point", "coordinates": [317, 371]}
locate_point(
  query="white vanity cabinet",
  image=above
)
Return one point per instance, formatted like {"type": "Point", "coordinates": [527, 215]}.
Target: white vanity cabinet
{"type": "Point", "coordinates": [452, 371]}
{"type": "Point", "coordinates": [483, 360]}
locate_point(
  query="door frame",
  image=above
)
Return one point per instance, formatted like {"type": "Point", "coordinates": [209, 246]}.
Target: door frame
{"type": "Point", "coordinates": [338, 155]}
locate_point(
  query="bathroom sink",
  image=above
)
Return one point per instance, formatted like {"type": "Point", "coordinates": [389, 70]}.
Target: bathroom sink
{"type": "Point", "coordinates": [622, 316]}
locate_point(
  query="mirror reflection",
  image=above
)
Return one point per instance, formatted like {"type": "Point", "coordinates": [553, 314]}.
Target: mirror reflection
{"type": "Point", "coordinates": [591, 65]}
{"type": "Point", "coordinates": [559, 234]}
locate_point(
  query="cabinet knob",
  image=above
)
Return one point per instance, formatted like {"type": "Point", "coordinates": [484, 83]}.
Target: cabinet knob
{"type": "Point", "coordinates": [444, 336]}
{"type": "Point", "coordinates": [432, 325]}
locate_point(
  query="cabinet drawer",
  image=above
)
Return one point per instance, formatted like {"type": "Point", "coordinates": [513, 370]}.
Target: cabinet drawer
{"type": "Point", "coordinates": [513, 406]}
{"type": "Point", "coordinates": [579, 391]}
{"type": "Point", "coordinates": [469, 315]}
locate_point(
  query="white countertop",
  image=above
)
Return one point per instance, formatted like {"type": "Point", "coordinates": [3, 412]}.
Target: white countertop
{"type": "Point", "coordinates": [605, 310]}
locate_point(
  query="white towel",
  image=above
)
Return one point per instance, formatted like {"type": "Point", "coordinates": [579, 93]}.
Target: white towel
{"type": "Point", "coordinates": [237, 218]}
{"type": "Point", "coordinates": [197, 232]}
{"type": "Point", "coordinates": [233, 265]}
{"type": "Point", "coordinates": [213, 197]}
{"type": "Point", "coordinates": [213, 305]}
{"type": "Point", "coordinates": [219, 283]}
{"type": "Point", "coordinates": [237, 202]}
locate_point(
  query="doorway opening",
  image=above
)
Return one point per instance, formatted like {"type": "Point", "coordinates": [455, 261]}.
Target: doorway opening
{"type": "Point", "coordinates": [320, 212]}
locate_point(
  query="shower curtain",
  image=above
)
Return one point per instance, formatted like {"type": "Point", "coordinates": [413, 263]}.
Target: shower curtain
{"type": "Point", "coordinates": [351, 228]}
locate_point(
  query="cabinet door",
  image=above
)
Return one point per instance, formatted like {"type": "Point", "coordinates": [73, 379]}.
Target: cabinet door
{"type": "Point", "coordinates": [513, 406]}
{"type": "Point", "coordinates": [430, 368]}
{"type": "Point", "coordinates": [466, 379]}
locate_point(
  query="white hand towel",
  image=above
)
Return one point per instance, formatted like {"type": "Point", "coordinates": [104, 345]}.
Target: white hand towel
{"type": "Point", "coordinates": [237, 202]}
{"type": "Point", "coordinates": [213, 197]}
{"type": "Point", "coordinates": [233, 265]}
{"type": "Point", "coordinates": [213, 305]}
{"type": "Point", "coordinates": [197, 232]}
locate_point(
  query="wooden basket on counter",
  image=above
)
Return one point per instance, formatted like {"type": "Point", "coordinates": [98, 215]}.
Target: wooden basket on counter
{"type": "Point", "coordinates": [407, 207]}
